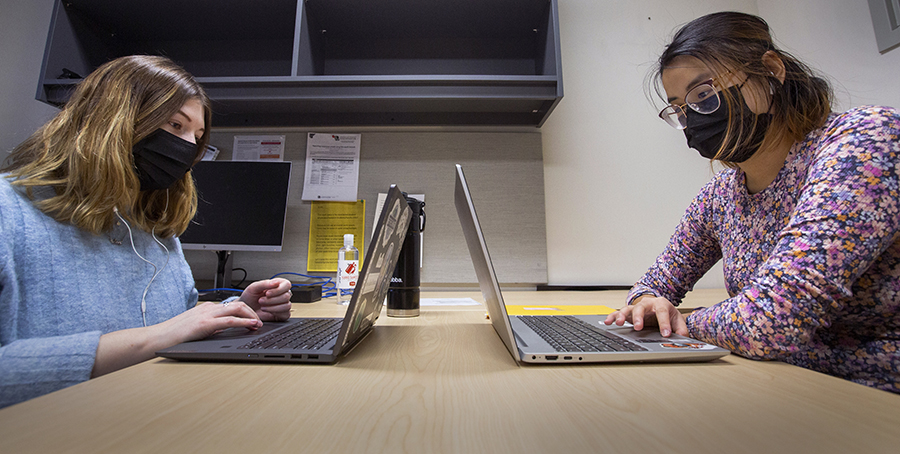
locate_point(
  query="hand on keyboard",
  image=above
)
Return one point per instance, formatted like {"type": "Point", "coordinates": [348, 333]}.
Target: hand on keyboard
{"type": "Point", "coordinates": [649, 310]}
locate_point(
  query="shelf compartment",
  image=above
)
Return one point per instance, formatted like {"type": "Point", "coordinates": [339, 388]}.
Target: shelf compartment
{"type": "Point", "coordinates": [208, 38]}
{"type": "Point", "coordinates": [498, 37]}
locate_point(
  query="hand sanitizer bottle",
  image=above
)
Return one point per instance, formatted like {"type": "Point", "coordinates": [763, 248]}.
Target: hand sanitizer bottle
{"type": "Point", "coordinates": [347, 270]}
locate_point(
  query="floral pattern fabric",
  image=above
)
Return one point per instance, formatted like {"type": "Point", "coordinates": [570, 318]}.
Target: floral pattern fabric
{"type": "Point", "coordinates": [812, 262]}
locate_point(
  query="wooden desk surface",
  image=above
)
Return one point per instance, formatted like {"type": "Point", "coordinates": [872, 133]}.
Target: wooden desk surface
{"type": "Point", "coordinates": [443, 382]}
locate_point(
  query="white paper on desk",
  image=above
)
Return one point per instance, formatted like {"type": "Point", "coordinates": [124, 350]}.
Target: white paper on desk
{"type": "Point", "coordinates": [258, 148]}
{"type": "Point", "coordinates": [332, 167]}
{"type": "Point", "coordinates": [448, 302]}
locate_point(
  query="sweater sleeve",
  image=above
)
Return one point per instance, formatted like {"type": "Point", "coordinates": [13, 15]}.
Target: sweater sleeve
{"type": "Point", "coordinates": [692, 250]}
{"type": "Point", "coordinates": [846, 216]}
{"type": "Point", "coordinates": [33, 367]}
{"type": "Point", "coordinates": [30, 367]}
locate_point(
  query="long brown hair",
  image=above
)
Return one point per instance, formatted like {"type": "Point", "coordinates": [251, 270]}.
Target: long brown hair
{"type": "Point", "coordinates": [85, 152]}
{"type": "Point", "coordinates": [730, 42]}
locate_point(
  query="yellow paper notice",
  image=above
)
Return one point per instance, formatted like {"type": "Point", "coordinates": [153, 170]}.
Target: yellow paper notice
{"type": "Point", "coordinates": [328, 222]}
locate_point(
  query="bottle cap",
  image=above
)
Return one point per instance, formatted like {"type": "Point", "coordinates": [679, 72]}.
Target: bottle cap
{"type": "Point", "coordinates": [348, 239]}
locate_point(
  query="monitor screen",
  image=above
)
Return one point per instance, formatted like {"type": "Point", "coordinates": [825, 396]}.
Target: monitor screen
{"type": "Point", "coordinates": [242, 206]}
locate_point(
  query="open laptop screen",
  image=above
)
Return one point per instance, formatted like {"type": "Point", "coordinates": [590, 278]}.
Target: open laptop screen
{"type": "Point", "coordinates": [378, 267]}
{"type": "Point", "coordinates": [481, 259]}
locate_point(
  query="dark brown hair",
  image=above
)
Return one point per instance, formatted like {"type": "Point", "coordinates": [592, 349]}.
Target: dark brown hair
{"type": "Point", "coordinates": [732, 41]}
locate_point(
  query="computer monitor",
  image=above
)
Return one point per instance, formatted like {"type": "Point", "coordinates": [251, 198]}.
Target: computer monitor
{"type": "Point", "coordinates": [242, 207]}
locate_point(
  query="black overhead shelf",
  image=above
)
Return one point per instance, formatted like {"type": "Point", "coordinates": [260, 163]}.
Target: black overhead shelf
{"type": "Point", "coordinates": [329, 62]}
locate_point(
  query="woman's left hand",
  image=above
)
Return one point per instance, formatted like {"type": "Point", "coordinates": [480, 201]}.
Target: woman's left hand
{"type": "Point", "coordinates": [650, 310]}
{"type": "Point", "coordinates": [271, 299]}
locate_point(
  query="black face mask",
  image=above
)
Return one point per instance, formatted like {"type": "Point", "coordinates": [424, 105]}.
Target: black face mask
{"type": "Point", "coordinates": [706, 132]}
{"type": "Point", "coordinates": [161, 159]}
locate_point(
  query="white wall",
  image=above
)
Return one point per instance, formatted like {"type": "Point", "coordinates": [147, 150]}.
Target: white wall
{"type": "Point", "coordinates": [23, 33]}
{"type": "Point", "coordinates": [837, 38]}
{"type": "Point", "coordinates": [617, 179]}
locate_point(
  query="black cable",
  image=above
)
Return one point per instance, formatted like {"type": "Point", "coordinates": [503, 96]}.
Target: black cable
{"type": "Point", "coordinates": [242, 279]}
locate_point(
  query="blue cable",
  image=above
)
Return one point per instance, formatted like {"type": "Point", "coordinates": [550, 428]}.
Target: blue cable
{"type": "Point", "coordinates": [328, 285]}
{"type": "Point", "coordinates": [221, 290]}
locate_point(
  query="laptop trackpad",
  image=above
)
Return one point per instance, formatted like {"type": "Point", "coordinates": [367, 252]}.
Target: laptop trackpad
{"type": "Point", "coordinates": [232, 333]}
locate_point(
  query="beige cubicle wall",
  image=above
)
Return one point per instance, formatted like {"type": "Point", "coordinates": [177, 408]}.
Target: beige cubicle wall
{"type": "Point", "coordinates": [505, 171]}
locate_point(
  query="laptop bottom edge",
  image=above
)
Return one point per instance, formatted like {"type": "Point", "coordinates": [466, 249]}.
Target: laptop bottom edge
{"type": "Point", "coordinates": [615, 358]}
{"type": "Point", "coordinates": [272, 356]}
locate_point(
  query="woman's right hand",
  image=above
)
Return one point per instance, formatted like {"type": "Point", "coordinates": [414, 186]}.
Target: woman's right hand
{"type": "Point", "coordinates": [206, 319]}
{"type": "Point", "coordinates": [649, 310]}
{"type": "Point", "coordinates": [120, 349]}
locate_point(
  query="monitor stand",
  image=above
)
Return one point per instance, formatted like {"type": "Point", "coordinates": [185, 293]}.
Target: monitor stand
{"type": "Point", "coordinates": [223, 269]}
{"type": "Point", "coordinates": [222, 279]}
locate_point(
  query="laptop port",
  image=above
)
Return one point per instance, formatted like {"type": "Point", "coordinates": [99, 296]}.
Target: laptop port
{"type": "Point", "coordinates": [568, 358]}
{"type": "Point", "coordinates": [313, 357]}
{"type": "Point", "coordinates": [551, 357]}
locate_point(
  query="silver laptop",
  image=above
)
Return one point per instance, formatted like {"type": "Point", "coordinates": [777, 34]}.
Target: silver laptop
{"type": "Point", "coordinates": [565, 338]}
{"type": "Point", "coordinates": [317, 340]}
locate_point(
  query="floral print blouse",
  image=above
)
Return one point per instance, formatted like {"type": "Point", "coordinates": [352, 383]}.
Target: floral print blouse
{"type": "Point", "coordinates": [812, 262]}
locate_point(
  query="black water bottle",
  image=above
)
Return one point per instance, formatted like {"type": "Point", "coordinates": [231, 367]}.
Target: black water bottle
{"type": "Point", "coordinates": [403, 293]}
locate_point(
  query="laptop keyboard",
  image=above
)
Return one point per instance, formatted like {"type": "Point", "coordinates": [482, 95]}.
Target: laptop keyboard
{"type": "Point", "coordinates": [309, 333]}
{"type": "Point", "coordinates": [570, 334]}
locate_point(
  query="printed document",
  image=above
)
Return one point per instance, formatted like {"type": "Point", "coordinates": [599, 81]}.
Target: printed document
{"type": "Point", "coordinates": [332, 167]}
{"type": "Point", "coordinates": [258, 148]}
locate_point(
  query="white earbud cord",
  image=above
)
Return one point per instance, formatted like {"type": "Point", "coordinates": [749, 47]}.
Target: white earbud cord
{"type": "Point", "coordinates": [156, 271]}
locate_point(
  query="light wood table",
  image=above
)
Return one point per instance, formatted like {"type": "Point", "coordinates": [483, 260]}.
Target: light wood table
{"type": "Point", "coordinates": [443, 382]}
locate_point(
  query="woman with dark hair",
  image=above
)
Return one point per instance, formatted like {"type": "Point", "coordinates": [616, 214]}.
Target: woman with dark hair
{"type": "Point", "coordinates": [806, 215]}
{"type": "Point", "coordinates": [92, 276]}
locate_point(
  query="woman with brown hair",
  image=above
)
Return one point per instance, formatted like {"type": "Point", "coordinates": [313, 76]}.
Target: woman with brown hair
{"type": "Point", "coordinates": [92, 276]}
{"type": "Point", "coordinates": [806, 215]}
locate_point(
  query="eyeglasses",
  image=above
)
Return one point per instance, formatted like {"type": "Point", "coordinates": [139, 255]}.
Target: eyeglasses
{"type": "Point", "coordinates": [703, 99]}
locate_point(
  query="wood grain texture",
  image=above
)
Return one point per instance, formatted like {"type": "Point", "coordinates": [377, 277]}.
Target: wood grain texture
{"type": "Point", "coordinates": [443, 382]}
